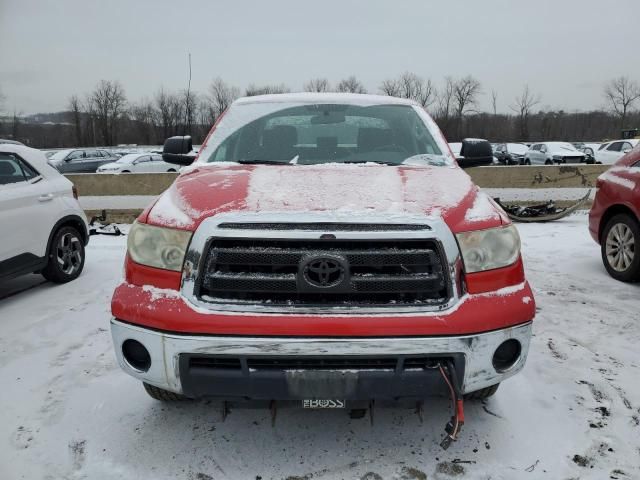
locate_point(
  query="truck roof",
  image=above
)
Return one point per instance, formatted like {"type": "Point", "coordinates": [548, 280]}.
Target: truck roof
{"type": "Point", "coordinates": [313, 97]}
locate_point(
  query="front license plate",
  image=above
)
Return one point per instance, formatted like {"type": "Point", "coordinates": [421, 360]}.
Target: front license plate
{"type": "Point", "coordinates": [324, 404]}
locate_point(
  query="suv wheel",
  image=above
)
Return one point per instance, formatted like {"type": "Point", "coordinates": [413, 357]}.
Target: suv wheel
{"type": "Point", "coordinates": [65, 257]}
{"type": "Point", "coordinates": [619, 247]}
{"type": "Point", "coordinates": [548, 162]}
{"type": "Point", "coordinates": [163, 395]}
{"type": "Point", "coordinates": [482, 393]}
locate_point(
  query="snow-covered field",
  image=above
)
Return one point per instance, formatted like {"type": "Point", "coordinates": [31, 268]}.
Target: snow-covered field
{"type": "Point", "coordinates": [67, 411]}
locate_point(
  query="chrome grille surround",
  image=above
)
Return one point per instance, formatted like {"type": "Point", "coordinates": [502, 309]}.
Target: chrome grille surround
{"type": "Point", "coordinates": [209, 229]}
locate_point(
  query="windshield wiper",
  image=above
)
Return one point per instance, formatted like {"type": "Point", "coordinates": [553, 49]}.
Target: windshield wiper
{"type": "Point", "coordinates": [381, 162]}
{"type": "Point", "coordinates": [255, 161]}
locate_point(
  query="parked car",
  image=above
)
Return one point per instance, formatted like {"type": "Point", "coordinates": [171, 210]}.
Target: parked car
{"type": "Point", "coordinates": [347, 259]}
{"type": "Point", "coordinates": [81, 160]}
{"type": "Point", "coordinates": [138, 163]}
{"type": "Point", "coordinates": [589, 150]}
{"type": "Point", "coordinates": [510, 153]}
{"type": "Point", "coordinates": [614, 218]}
{"type": "Point", "coordinates": [548, 153]}
{"type": "Point", "coordinates": [610, 152]}
{"type": "Point", "coordinates": [44, 230]}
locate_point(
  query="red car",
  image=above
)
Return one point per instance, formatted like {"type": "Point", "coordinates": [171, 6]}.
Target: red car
{"type": "Point", "coordinates": [614, 219]}
{"type": "Point", "coordinates": [325, 250]}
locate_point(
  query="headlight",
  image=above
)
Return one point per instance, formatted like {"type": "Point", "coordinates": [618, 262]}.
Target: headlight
{"type": "Point", "coordinates": [157, 247]}
{"type": "Point", "coordinates": [488, 249]}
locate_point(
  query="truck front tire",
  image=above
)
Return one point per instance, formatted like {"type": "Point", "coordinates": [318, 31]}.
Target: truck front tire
{"type": "Point", "coordinates": [163, 395]}
{"type": "Point", "coordinates": [482, 393]}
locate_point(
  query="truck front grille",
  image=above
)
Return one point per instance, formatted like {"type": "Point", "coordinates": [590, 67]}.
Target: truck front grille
{"type": "Point", "coordinates": [357, 272]}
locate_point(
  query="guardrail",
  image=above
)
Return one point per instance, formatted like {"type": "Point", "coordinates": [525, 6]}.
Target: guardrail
{"type": "Point", "coordinates": [513, 177]}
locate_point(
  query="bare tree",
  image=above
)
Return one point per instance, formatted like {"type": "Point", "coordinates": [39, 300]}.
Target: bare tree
{"type": "Point", "coordinates": [411, 86]}
{"type": "Point", "coordinates": [189, 100]}
{"type": "Point", "coordinates": [90, 136]}
{"type": "Point", "coordinates": [465, 93]}
{"type": "Point", "coordinates": [221, 95]}
{"type": "Point", "coordinates": [351, 85]}
{"type": "Point", "coordinates": [317, 85]}
{"type": "Point", "coordinates": [390, 87]}
{"type": "Point", "coordinates": [444, 99]}
{"type": "Point", "coordinates": [253, 89]}
{"type": "Point", "coordinates": [523, 105]}
{"type": "Point", "coordinates": [494, 101]}
{"type": "Point", "coordinates": [143, 115]}
{"type": "Point", "coordinates": [110, 103]}
{"type": "Point", "coordinates": [206, 115]}
{"type": "Point", "coordinates": [169, 112]}
{"type": "Point", "coordinates": [75, 107]}
{"type": "Point", "coordinates": [622, 93]}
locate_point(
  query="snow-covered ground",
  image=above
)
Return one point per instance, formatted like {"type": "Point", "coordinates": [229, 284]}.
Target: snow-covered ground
{"type": "Point", "coordinates": [67, 411]}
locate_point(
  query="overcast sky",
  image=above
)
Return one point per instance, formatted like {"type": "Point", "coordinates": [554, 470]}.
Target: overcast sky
{"type": "Point", "coordinates": [564, 49]}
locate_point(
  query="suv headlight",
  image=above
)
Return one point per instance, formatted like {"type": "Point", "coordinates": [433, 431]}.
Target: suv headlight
{"type": "Point", "coordinates": [157, 246]}
{"type": "Point", "coordinates": [488, 249]}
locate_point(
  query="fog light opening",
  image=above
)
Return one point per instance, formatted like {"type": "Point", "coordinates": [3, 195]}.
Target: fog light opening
{"type": "Point", "coordinates": [136, 355]}
{"type": "Point", "coordinates": [507, 355]}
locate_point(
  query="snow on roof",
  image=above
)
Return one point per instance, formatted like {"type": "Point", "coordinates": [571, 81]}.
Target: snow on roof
{"type": "Point", "coordinates": [130, 157]}
{"type": "Point", "coordinates": [60, 154]}
{"type": "Point", "coordinates": [313, 97]}
{"type": "Point", "coordinates": [32, 155]}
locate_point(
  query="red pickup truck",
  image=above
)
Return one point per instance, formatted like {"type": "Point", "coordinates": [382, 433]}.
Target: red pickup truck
{"type": "Point", "coordinates": [324, 249]}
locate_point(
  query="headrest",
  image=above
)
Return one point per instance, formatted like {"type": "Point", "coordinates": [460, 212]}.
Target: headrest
{"type": "Point", "coordinates": [280, 136]}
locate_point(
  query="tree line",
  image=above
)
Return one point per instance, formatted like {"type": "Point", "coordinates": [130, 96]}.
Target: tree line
{"type": "Point", "coordinates": [105, 116]}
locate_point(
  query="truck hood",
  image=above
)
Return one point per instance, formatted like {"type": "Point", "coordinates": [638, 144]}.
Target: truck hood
{"type": "Point", "coordinates": [345, 190]}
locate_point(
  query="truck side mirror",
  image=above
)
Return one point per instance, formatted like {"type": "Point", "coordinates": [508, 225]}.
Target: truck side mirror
{"type": "Point", "coordinates": [475, 153]}
{"type": "Point", "coordinates": [178, 150]}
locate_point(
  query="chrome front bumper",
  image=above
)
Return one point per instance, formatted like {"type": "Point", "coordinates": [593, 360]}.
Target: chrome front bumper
{"type": "Point", "coordinates": [166, 348]}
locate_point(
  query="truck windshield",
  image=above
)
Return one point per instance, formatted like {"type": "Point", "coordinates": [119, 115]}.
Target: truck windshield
{"type": "Point", "coordinates": [322, 133]}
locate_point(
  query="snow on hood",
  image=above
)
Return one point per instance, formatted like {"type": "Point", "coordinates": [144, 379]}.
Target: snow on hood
{"type": "Point", "coordinates": [563, 149]}
{"type": "Point", "coordinates": [445, 192]}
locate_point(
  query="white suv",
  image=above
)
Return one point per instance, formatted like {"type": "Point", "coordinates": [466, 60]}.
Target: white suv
{"type": "Point", "coordinates": [609, 153]}
{"type": "Point", "coordinates": [548, 153]}
{"type": "Point", "coordinates": [43, 227]}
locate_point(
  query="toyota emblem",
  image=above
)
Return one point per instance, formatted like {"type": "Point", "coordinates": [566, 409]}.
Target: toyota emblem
{"type": "Point", "coordinates": [323, 272]}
